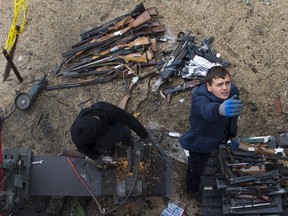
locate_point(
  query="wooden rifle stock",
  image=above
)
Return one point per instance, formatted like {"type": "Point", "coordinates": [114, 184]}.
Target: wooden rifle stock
{"type": "Point", "coordinates": [152, 11]}
{"type": "Point", "coordinates": [121, 23]}
{"type": "Point", "coordinates": [258, 149]}
{"type": "Point", "coordinates": [142, 18]}
{"type": "Point", "coordinates": [137, 42]}
{"type": "Point", "coordinates": [123, 102]}
{"type": "Point", "coordinates": [138, 57]}
{"type": "Point", "coordinates": [154, 23]}
{"type": "Point", "coordinates": [149, 63]}
{"type": "Point", "coordinates": [158, 29]}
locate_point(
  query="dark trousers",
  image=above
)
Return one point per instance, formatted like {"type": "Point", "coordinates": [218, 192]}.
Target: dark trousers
{"type": "Point", "coordinates": [195, 168]}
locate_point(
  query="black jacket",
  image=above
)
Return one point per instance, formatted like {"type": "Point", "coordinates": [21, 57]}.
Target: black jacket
{"type": "Point", "coordinates": [207, 127]}
{"type": "Point", "coordinates": [109, 115]}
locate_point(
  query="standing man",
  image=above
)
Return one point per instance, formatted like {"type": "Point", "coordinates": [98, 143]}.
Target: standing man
{"type": "Point", "coordinates": [213, 119]}
{"type": "Point", "coordinates": [97, 129]}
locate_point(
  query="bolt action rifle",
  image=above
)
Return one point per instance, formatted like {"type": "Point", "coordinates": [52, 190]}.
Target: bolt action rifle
{"type": "Point", "coordinates": [102, 68]}
{"type": "Point", "coordinates": [113, 42]}
{"type": "Point", "coordinates": [127, 57]}
{"type": "Point", "coordinates": [117, 23]}
{"type": "Point", "coordinates": [142, 18]}
{"type": "Point", "coordinates": [180, 88]}
{"type": "Point", "coordinates": [138, 42]}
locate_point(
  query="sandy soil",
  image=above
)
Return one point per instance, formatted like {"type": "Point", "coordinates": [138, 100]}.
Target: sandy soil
{"type": "Point", "coordinates": [253, 37]}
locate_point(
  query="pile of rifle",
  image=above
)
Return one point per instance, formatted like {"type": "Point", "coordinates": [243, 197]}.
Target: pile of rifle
{"type": "Point", "coordinates": [127, 44]}
{"type": "Point", "coordinates": [115, 49]}
{"type": "Point", "coordinates": [253, 183]}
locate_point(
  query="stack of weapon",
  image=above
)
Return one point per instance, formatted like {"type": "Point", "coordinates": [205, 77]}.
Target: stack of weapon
{"type": "Point", "coordinates": [126, 44]}
{"type": "Point", "coordinates": [253, 183]}
{"type": "Point", "coordinates": [188, 61]}
{"type": "Point", "coordinates": [115, 48]}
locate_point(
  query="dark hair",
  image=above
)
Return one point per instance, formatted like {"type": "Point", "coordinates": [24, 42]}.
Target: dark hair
{"type": "Point", "coordinates": [216, 72]}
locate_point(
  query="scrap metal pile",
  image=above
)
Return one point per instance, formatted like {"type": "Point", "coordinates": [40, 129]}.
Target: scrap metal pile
{"type": "Point", "coordinates": [250, 182]}
{"type": "Point", "coordinates": [128, 47]}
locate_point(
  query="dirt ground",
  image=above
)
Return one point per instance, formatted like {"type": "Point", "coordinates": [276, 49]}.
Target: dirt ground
{"type": "Point", "coordinates": [253, 37]}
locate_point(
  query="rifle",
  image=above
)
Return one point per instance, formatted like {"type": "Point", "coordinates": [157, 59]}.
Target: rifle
{"type": "Point", "coordinates": [87, 71]}
{"type": "Point", "coordinates": [136, 57]}
{"type": "Point", "coordinates": [113, 74]}
{"type": "Point", "coordinates": [180, 88]}
{"type": "Point", "coordinates": [151, 11]}
{"type": "Point", "coordinates": [98, 46]}
{"type": "Point", "coordinates": [145, 29]}
{"type": "Point", "coordinates": [260, 149]}
{"type": "Point", "coordinates": [254, 192]}
{"type": "Point", "coordinates": [142, 18]}
{"type": "Point", "coordinates": [123, 102]}
{"type": "Point", "coordinates": [138, 42]}
{"type": "Point", "coordinates": [118, 21]}
{"type": "Point", "coordinates": [257, 177]}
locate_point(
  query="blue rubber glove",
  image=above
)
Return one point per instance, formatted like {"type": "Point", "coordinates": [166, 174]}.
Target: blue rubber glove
{"type": "Point", "coordinates": [235, 142]}
{"type": "Point", "coordinates": [231, 107]}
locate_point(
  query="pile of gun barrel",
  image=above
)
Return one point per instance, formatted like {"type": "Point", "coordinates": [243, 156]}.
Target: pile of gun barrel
{"type": "Point", "coordinates": [116, 48]}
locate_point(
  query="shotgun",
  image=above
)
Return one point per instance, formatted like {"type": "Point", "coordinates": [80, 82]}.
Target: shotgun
{"type": "Point", "coordinates": [135, 12]}
{"type": "Point", "coordinates": [259, 149]}
{"type": "Point", "coordinates": [130, 57]}
{"type": "Point", "coordinates": [138, 57]}
{"type": "Point", "coordinates": [85, 82]}
{"type": "Point", "coordinates": [181, 88]}
{"type": "Point", "coordinates": [142, 18]}
{"type": "Point", "coordinates": [137, 42]}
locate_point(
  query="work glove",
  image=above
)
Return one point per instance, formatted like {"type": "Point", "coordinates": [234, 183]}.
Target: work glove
{"type": "Point", "coordinates": [234, 143]}
{"type": "Point", "coordinates": [231, 107]}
